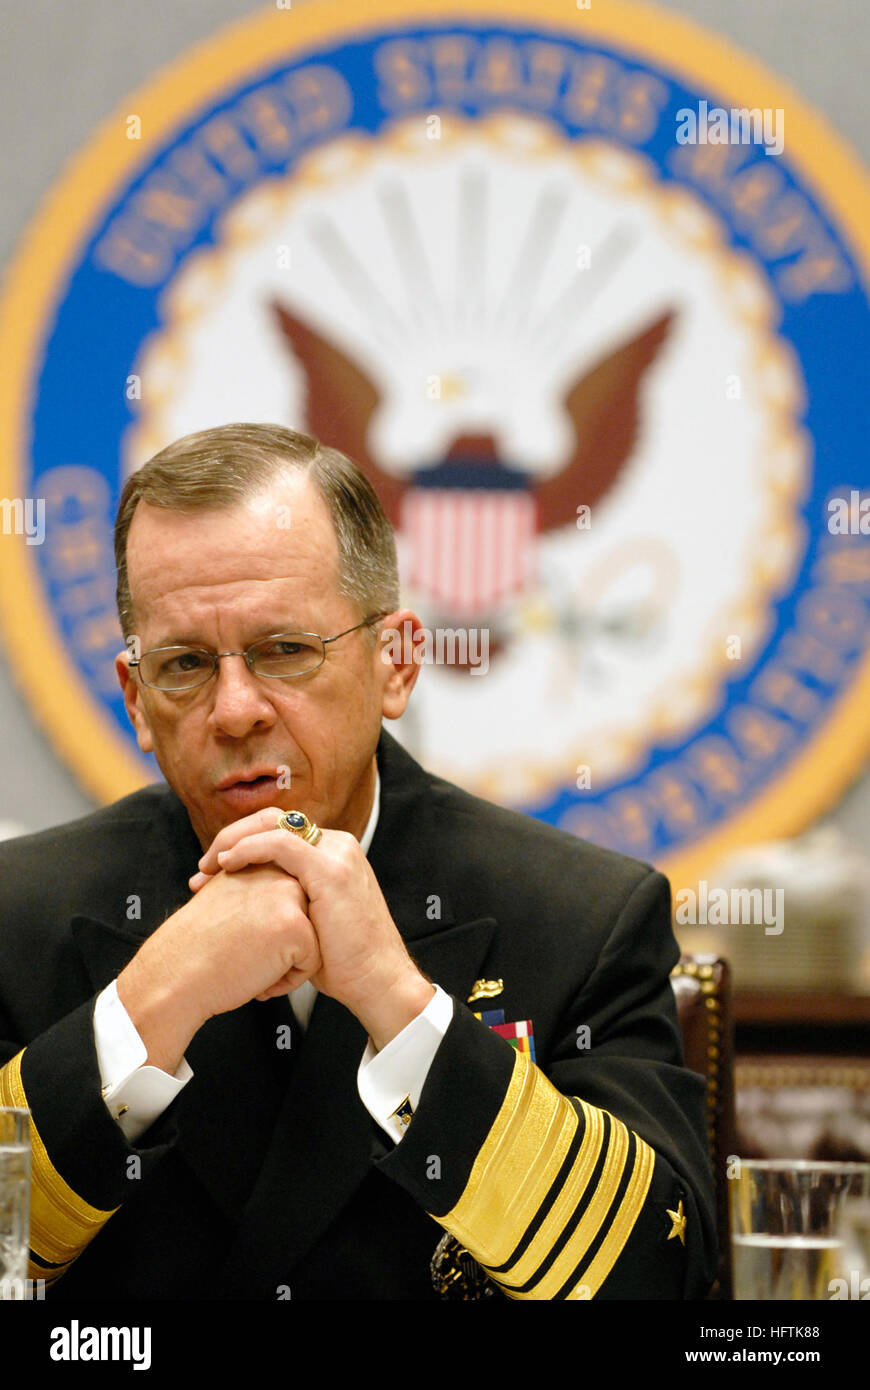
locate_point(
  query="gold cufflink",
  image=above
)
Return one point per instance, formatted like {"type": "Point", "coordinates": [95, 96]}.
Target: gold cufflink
{"type": "Point", "coordinates": [404, 1112]}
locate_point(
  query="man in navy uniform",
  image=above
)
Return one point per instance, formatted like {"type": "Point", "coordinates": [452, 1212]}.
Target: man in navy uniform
{"type": "Point", "coordinates": [286, 1019]}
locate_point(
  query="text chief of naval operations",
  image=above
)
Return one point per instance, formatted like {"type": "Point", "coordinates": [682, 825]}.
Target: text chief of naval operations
{"type": "Point", "coordinates": [181, 1148]}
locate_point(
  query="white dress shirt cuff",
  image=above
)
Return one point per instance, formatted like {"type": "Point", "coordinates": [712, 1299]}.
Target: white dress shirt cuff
{"type": "Point", "coordinates": [390, 1081]}
{"type": "Point", "coordinates": [134, 1094]}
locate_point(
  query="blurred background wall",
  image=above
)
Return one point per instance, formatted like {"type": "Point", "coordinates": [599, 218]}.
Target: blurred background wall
{"type": "Point", "coordinates": [64, 67]}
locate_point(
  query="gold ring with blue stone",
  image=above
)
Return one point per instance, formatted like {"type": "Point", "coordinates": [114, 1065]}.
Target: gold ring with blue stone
{"type": "Point", "coordinates": [299, 824]}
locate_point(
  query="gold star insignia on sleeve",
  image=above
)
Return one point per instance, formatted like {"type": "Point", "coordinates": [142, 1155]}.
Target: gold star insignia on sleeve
{"type": "Point", "coordinates": [679, 1220]}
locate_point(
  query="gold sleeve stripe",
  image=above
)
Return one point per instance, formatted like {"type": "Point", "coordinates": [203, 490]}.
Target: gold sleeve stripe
{"type": "Point", "coordinates": [61, 1222]}
{"type": "Point", "coordinates": [574, 1191]}
{"type": "Point", "coordinates": [521, 1201]}
{"type": "Point", "coordinates": [504, 1189]}
{"type": "Point", "coordinates": [49, 1274]}
{"type": "Point", "coordinates": [621, 1225]}
{"type": "Point", "coordinates": [590, 1223]}
{"type": "Point", "coordinates": [39, 1270]}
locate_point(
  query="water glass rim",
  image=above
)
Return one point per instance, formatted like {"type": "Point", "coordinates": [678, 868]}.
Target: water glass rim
{"type": "Point", "coordinates": [806, 1165]}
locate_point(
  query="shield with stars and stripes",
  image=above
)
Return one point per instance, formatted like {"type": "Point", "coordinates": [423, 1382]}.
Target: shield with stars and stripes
{"type": "Point", "coordinates": [473, 547]}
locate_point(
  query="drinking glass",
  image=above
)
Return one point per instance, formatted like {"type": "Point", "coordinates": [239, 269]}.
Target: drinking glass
{"type": "Point", "coordinates": [14, 1202]}
{"type": "Point", "coordinates": [787, 1227]}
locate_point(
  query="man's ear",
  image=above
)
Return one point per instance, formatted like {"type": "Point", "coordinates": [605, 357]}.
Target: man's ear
{"type": "Point", "coordinates": [133, 701]}
{"type": "Point", "coordinates": [398, 656]}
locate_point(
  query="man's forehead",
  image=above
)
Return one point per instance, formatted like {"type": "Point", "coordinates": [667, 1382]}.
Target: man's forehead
{"type": "Point", "coordinates": [279, 537]}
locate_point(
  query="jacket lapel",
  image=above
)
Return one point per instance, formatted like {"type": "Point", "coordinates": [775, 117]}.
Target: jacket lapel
{"type": "Point", "coordinates": [148, 863]}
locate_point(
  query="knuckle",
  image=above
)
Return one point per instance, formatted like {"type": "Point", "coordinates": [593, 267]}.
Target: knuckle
{"type": "Point", "coordinates": [344, 855]}
{"type": "Point", "coordinates": [290, 913]}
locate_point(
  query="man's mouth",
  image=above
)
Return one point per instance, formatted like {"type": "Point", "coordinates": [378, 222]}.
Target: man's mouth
{"type": "Point", "coordinates": [248, 789]}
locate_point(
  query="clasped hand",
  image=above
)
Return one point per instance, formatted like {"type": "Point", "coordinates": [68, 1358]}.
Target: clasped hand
{"type": "Point", "coordinates": [354, 951]}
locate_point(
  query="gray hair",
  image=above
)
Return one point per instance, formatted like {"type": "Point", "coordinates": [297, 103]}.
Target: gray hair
{"type": "Point", "coordinates": [218, 469]}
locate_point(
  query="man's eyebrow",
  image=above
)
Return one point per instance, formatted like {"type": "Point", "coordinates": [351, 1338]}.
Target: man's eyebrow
{"type": "Point", "coordinates": [174, 641]}
{"type": "Point", "coordinates": [185, 640]}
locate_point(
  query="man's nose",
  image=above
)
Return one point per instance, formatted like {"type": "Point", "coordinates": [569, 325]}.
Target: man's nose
{"type": "Point", "coordinates": [241, 701]}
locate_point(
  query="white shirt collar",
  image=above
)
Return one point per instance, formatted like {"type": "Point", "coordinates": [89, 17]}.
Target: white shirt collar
{"type": "Point", "coordinates": [369, 832]}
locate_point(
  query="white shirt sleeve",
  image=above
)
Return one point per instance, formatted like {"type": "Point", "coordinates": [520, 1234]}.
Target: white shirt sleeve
{"type": "Point", "coordinates": [134, 1094]}
{"type": "Point", "coordinates": [391, 1080]}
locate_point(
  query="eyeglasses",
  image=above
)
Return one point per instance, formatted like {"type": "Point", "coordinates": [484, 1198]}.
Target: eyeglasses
{"type": "Point", "coordinates": [281, 657]}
